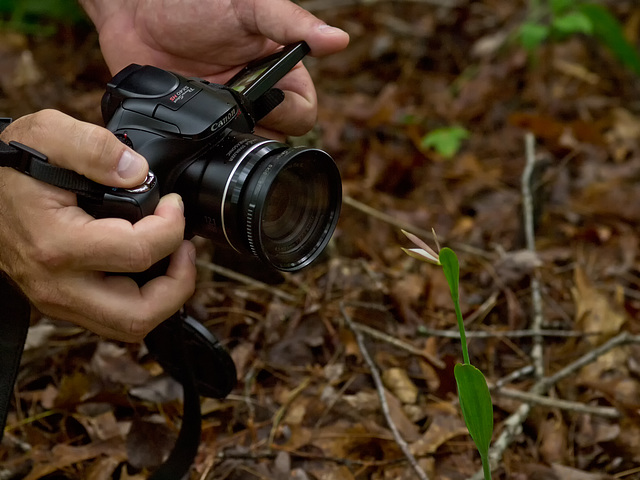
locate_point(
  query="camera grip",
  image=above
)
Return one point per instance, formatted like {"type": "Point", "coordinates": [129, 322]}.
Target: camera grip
{"type": "Point", "coordinates": [131, 204]}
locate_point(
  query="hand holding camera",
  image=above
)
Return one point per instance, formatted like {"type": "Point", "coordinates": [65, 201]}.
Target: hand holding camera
{"type": "Point", "coordinates": [258, 196]}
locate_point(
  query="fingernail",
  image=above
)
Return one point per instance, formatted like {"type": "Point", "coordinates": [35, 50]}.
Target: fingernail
{"type": "Point", "coordinates": [180, 203]}
{"type": "Point", "coordinates": [130, 165]}
{"type": "Point", "coordinates": [329, 30]}
{"type": "Point", "coordinates": [192, 255]}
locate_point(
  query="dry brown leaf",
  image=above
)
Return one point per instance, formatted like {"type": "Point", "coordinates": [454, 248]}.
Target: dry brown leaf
{"type": "Point", "coordinates": [329, 471]}
{"type": "Point", "coordinates": [552, 436]}
{"type": "Point", "coordinates": [568, 473]}
{"type": "Point", "coordinates": [114, 364]}
{"type": "Point", "coordinates": [149, 443]}
{"type": "Point", "coordinates": [398, 382]}
{"type": "Point", "coordinates": [408, 430]}
{"type": "Point", "coordinates": [103, 469]}
{"type": "Point", "coordinates": [62, 456]}
{"type": "Point", "coordinates": [594, 311]}
{"type": "Point", "coordinates": [442, 429]}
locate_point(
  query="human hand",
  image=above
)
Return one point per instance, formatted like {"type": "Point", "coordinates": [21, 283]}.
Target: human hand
{"type": "Point", "coordinates": [214, 39]}
{"type": "Point", "coordinates": [58, 254]}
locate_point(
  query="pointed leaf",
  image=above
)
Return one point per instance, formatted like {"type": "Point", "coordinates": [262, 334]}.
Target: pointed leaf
{"type": "Point", "coordinates": [451, 268]}
{"type": "Point", "coordinates": [475, 402]}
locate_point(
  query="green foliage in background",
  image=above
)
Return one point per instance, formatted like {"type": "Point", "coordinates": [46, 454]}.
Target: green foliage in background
{"type": "Point", "coordinates": [556, 20]}
{"type": "Point", "coordinates": [40, 17]}
{"type": "Point", "coordinates": [446, 141]}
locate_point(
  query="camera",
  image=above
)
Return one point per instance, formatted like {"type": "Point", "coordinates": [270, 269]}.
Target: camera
{"type": "Point", "coordinates": [260, 197]}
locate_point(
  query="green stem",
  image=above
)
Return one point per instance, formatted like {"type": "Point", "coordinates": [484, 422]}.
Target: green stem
{"type": "Point", "coordinates": [486, 468]}
{"type": "Point", "coordinates": [463, 336]}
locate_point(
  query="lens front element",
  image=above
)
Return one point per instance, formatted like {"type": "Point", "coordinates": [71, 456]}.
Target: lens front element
{"type": "Point", "coordinates": [292, 205]}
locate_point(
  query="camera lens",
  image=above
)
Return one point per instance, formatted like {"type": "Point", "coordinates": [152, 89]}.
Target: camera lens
{"type": "Point", "coordinates": [296, 195]}
{"type": "Point", "coordinates": [263, 198]}
{"type": "Point", "coordinates": [282, 213]}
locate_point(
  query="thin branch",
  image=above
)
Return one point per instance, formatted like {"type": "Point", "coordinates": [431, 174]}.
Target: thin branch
{"type": "Point", "coordinates": [498, 334]}
{"type": "Point", "coordinates": [238, 277]}
{"type": "Point", "coordinates": [607, 412]}
{"type": "Point", "coordinates": [624, 338]}
{"type": "Point", "coordinates": [383, 401]}
{"type": "Point", "coordinates": [513, 376]}
{"type": "Point", "coordinates": [537, 353]}
{"type": "Point", "coordinates": [391, 220]}
{"type": "Point", "coordinates": [396, 342]}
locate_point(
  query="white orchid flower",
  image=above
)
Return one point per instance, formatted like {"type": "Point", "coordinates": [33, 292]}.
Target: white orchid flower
{"type": "Point", "coordinates": [425, 252]}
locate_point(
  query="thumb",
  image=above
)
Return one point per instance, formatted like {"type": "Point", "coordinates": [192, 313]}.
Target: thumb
{"type": "Point", "coordinates": [87, 149]}
{"type": "Point", "coordinates": [285, 22]}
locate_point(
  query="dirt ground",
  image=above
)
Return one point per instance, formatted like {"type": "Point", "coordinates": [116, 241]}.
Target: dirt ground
{"type": "Point", "coordinates": [554, 327]}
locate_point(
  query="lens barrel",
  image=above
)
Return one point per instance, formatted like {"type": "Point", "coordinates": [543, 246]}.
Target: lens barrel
{"type": "Point", "coordinates": [263, 197]}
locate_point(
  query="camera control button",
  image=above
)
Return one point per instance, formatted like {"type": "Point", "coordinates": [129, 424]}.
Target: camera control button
{"type": "Point", "coordinates": [149, 81]}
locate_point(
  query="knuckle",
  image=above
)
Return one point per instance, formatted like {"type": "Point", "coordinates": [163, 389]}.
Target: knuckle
{"type": "Point", "coordinates": [139, 327]}
{"type": "Point", "coordinates": [45, 253]}
{"type": "Point", "coordinates": [140, 257]}
{"type": "Point", "coordinates": [97, 143]}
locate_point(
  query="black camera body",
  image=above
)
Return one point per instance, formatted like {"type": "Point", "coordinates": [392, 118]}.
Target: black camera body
{"type": "Point", "coordinates": [258, 196]}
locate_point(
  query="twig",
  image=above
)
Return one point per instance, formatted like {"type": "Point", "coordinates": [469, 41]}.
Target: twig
{"type": "Point", "coordinates": [238, 277]}
{"type": "Point", "coordinates": [383, 401]}
{"type": "Point", "coordinates": [513, 424]}
{"type": "Point", "coordinates": [396, 342]}
{"type": "Point", "coordinates": [272, 454]}
{"type": "Point", "coordinates": [624, 338]}
{"type": "Point", "coordinates": [513, 376]}
{"type": "Point", "coordinates": [536, 298]}
{"type": "Point", "coordinates": [391, 220]}
{"type": "Point", "coordinates": [277, 418]}
{"type": "Point", "coordinates": [607, 412]}
{"type": "Point", "coordinates": [497, 334]}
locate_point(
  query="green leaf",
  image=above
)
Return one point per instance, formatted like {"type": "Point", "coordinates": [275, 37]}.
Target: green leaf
{"type": "Point", "coordinates": [609, 31]}
{"type": "Point", "coordinates": [449, 261]}
{"type": "Point", "coordinates": [571, 23]}
{"type": "Point", "coordinates": [558, 7]}
{"type": "Point", "coordinates": [532, 34]}
{"type": "Point", "coordinates": [475, 402]}
{"type": "Point", "coordinates": [446, 141]}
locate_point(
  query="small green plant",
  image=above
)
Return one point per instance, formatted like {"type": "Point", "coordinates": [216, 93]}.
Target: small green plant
{"type": "Point", "coordinates": [473, 392]}
{"type": "Point", "coordinates": [446, 141]}
{"type": "Point", "coordinates": [558, 19]}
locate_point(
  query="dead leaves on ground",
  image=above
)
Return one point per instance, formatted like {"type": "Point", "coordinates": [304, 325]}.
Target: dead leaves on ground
{"type": "Point", "coordinates": [305, 406]}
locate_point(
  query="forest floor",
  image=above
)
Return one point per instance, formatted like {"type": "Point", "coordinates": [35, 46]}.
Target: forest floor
{"type": "Point", "coordinates": [552, 313]}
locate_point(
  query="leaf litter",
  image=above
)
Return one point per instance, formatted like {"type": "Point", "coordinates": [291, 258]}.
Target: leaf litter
{"type": "Point", "coordinates": [305, 405]}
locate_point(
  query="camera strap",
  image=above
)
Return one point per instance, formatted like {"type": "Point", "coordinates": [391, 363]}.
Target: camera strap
{"type": "Point", "coordinates": [35, 164]}
{"type": "Point", "coordinates": [14, 323]}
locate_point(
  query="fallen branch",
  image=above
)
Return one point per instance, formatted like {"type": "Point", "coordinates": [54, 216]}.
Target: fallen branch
{"type": "Point", "coordinates": [381, 395]}
{"type": "Point", "coordinates": [505, 334]}
{"type": "Point", "coordinates": [396, 342]}
{"type": "Point", "coordinates": [537, 353]}
{"type": "Point", "coordinates": [606, 412]}
{"type": "Point", "coordinates": [238, 277]}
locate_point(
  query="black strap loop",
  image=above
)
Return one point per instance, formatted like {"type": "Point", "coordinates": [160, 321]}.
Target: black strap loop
{"type": "Point", "coordinates": [14, 320]}
{"type": "Point", "coordinates": [35, 164]}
